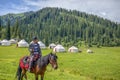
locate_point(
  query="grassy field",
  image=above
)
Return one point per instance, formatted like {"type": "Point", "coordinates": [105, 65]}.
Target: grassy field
{"type": "Point", "coordinates": [103, 64]}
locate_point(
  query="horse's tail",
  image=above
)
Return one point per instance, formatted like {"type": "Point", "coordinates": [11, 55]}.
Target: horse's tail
{"type": "Point", "coordinates": [18, 73]}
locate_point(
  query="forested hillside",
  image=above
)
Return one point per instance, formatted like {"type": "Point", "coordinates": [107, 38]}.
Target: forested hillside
{"type": "Point", "coordinates": [64, 26]}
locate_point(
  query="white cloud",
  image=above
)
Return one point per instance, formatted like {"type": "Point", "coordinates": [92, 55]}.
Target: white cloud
{"type": "Point", "coordinates": [22, 8]}
{"type": "Point", "coordinates": [13, 8]}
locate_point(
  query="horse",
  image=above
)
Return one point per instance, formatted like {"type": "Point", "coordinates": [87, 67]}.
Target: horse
{"type": "Point", "coordinates": [39, 67]}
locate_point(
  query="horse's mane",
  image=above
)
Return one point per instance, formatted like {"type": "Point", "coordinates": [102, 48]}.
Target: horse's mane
{"type": "Point", "coordinates": [43, 60]}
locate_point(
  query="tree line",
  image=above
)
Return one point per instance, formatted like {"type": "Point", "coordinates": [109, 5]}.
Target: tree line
{"type": "Point", "coordinates": [67, 27]}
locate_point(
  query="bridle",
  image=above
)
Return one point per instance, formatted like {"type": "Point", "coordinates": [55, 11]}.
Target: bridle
{"type": "Point", "coordinates": [53, 61]}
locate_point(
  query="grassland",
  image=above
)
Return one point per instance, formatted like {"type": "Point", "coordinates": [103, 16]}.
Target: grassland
{"type": "Point", "coordinates": [103, 64]}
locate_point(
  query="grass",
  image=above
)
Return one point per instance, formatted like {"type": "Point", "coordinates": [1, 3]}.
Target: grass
{"type": "Point", "coordinates": [103, 64]}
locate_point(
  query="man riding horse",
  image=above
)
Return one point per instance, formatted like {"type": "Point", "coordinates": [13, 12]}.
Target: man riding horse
{"type": "Point", "coordinates": [37, 64]}
{"type": "Point", "coordinates": [35, 51]}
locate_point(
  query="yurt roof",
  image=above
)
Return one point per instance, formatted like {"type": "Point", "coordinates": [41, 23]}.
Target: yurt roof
{"type": "Point", "coordinates": [59, 46]}
{"type": "Point", "coordinates": [73, 47]}
{"type": "Point", "coordinates": [52, 44]}
{"type": "Point", "coordinates": [41, 43]}
{"type": "Point", "coordinates": [4, 40]}
{"type": "Point", "coordinates": [12, 40]}
{"type": "Point", "coordinates": [22, 41]}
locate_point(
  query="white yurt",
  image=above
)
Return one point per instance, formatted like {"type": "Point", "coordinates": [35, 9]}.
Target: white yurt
{"type": "Point", "coordinates": [13, 41]}
{"type": "Point", "coordinates": [23, 43]}
{"type": "Point", "coordinates": [5, 42]}
{"type": "Point", "coordinates": [52, 45]}
{"type": "Point", "coordinates": [42, 45]}
{"type": "Point", "coordinates": [73, 49]}
{"type": "Point", "coordinates": [59, 48]}
{"type": "Point", "coordinates": [89, 51]}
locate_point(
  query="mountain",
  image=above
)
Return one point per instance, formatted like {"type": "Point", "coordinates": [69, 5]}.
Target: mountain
{"type": "Point", "coordinates": [14, 17]}
{"type": "Point", "coordinates": [67, 27]}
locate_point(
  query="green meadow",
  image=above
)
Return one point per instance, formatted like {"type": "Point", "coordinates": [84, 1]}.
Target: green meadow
{"type": "Point", "coordinates": [103, 64]}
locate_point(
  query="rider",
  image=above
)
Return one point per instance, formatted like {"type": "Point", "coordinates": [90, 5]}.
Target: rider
{"type": "Point", "coordinates": [34, 49]}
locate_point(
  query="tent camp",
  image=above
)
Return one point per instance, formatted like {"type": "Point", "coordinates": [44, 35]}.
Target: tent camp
{"type": "Point", "coordinates": [52, 45]}
{"type": "Point", "coordinates": [23, 43]}
{"type": "Point", "coordinates": [89, 51]}
{"type": "Point", "coordinates": [13, 41]}
{"type": "Point", "coordinates": [59, 48]}
{"type": "Point", "coordinates": [73, 49]}
{"type": "Point", "coordinates": [5, 42]}
{"type": "Point", "coordinates": [42, 45]}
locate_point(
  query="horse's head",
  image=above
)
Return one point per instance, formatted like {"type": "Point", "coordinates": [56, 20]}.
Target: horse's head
{"type": "Point", "coordinates": [53, 60]}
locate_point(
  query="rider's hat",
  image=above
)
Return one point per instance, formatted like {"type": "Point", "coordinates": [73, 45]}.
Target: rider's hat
{"type": "Point", "coordinates": [35, 38]}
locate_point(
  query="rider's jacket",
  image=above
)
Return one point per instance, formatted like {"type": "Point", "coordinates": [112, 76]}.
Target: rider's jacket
{"type": "Point", "coordinates": [34, 48]}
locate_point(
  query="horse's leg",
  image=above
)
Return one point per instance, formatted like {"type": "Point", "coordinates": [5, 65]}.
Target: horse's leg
{"type": "Point", "coordinates": [36, 76]}
{"type": "Point", "coordinates": [23, 74]}
{"type": "Point", "coordinates": [42, 76]}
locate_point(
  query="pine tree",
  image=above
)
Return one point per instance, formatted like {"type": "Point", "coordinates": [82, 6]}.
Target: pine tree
{"type": "Point", "coordinates": [0, 28]}
{"type": "Point", "coordinates": [8, 35]}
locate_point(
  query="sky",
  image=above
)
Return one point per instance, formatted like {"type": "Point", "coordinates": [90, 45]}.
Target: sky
{"type": "Point", "coordinates": [109, 9]}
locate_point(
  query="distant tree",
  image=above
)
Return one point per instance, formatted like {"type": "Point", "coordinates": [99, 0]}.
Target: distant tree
{"type": "Point", "coordinates": [0, 28]}
{"type": "Point", "coordinates": [8, 35]}
{"type": "Point", "coordinates": [16, 28]}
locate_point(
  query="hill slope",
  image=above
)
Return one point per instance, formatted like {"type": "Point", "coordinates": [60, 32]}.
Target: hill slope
{"type": "Point", "coordinates": [14, 17]}
{"type": "Point", "coordinates": [68, 28]}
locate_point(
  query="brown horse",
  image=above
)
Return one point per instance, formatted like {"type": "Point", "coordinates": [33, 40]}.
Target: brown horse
{"type": "Point", "coordinates": [39, 68]}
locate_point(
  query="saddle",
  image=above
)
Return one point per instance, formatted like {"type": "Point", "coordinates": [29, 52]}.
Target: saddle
{"type": "Point", "coordinates": [26, 59]}
{"type": "Point", "coordinates": [24, 62]}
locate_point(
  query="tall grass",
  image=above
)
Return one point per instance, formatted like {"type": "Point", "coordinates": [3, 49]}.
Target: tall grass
{"type": "Point", "coordinates": [103, 64]}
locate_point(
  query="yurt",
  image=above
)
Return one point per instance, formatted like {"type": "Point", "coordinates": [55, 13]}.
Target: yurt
{"type": "Point", "coordinates": [42, 45]}
{"type": "Point", "coordinates": [73, 49]}
{"type": "Point", "coordinates": [59, 48]}
{"type": "Point", "coordinates": [13, 41]}
{"type": "Point", "coordinates": [52, 45]}
{"type": "Point", "coordinates": [23, 43]}
{"type": "Point", "coordinates": [89, 51]}
{"type": "Point", "coordinates": [5, 42]}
